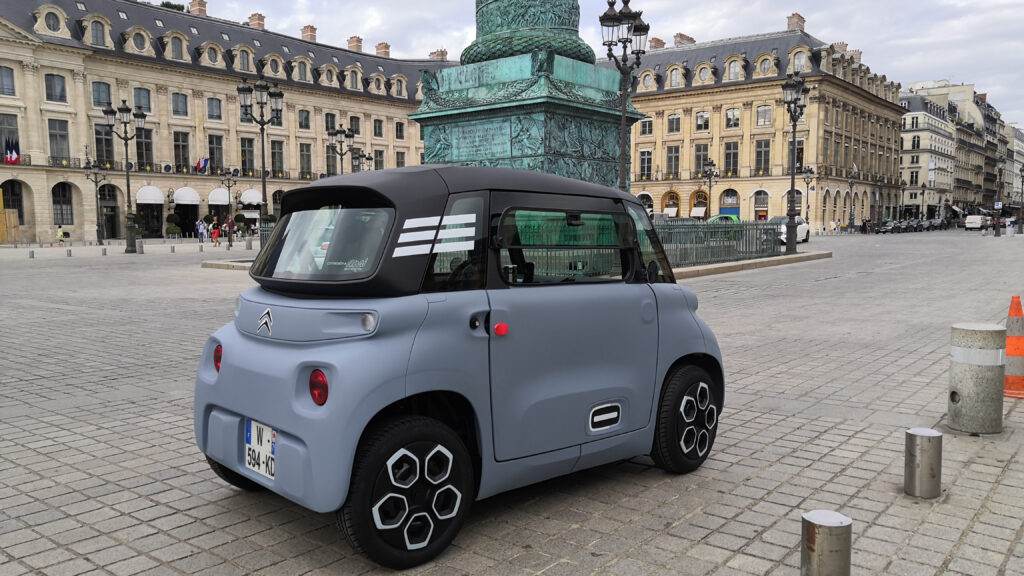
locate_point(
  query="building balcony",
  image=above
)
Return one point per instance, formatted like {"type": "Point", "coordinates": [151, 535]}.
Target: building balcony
{"type": "Point", "coordinates": [64, 162]}
{"type": "Point", "coordinates": [761, 172]}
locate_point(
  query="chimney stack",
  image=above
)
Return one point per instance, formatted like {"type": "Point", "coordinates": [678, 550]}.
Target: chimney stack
{"type": "Point", "coordinates": [795, 22]}
{"type": "Point", "coordinates": [855, 54]}
{"type": "Point", "coordinates": [441, 54]}
{"type": "Point", "coordinates": [384, 49]}
{"type": "Point", "coordinates": [840, 47]}
{"type": "Point", "coordinates": [256, 20]}
{"type": "Point", "coordinates": [684, 40]}
{"type": "Point", "coordinates": [657, 43]}
{"type": "Point", "coordinates": [197, 7]}
{"type": "Point", "coordinates": [355, 43]}
{"type": "Point", "coordinates": [309, 33]}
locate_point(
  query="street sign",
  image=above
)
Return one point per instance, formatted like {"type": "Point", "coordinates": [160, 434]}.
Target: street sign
{"type": "Point", "coordinates": [999, 205]}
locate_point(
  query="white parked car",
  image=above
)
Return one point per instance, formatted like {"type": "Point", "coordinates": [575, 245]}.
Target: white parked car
{"type": "Point", "coordinates": [977, 222]}
{"type": "Point", "coordinates": [803, 230]}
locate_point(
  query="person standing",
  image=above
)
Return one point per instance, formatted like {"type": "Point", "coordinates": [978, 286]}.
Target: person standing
{"type": "Point", "coordinates": [202, 232]}
{"type": "Point", "coordinates": [60, 235]}
{"type": "Point", "coordinates": [229, 228]}
{"type": "Point", "coordinates": [215, 233]}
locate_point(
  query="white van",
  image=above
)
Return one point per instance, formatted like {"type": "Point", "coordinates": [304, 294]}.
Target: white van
{"type": "Point", "coordinates": [976, 222]}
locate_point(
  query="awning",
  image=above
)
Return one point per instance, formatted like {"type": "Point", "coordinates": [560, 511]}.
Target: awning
{"type": "Point", "coordinates": [252, 196]}
{"type": "Point", "coordinates": [957, 208]}
{"type": "Point", "coordinates": [219, 197]}
{"type": "Point", "coordinates": [186, 195]}
{"type": "Point", "coordinates": [671, 212]}
{"type": "Point", "coordinates": [149, 195]}
{"type": "Point", "coordinates": [698, 211]}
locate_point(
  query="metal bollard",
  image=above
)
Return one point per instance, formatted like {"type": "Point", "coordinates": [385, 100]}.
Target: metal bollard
{"type": "Point", "coordinates": [977, 367]}
{"type": "Point", "coordinates": [172, 248]}
{"type": "Point", "coordinates": [31, 254]}
{"type": "Point", "coordinates": [922, 464]}
{"type": "Point", "coordinates": [69, 252]}
{"type": "Point", "coordinates": [826, 542]}
{"type": "Point", "coordinates": [103, 252]}
{"type": "Point", "coordinates": [201, 246]}
{"type": "Point", "coordinates": [248, 242]}
{"type": "Point", "coordinates": [227, 248]}
{"type": "Point", "coordinates": [139, 247]}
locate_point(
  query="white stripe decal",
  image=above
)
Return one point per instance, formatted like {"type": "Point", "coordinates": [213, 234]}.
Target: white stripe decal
{"type": "Point", "coordinates": [416, 236]}
{"type": "Point", "coordinates": [459, 219]}
{"type": "Point", "coordinates": [455, 233]}
{"type": "Point", "coordinates": [414, 250]}
{"type": "Point", "coordinates": [453, 247]}
{"type": "Point", "coordinates": [421, 222]}
{"type": "Point", "coordinates": [977, 357]}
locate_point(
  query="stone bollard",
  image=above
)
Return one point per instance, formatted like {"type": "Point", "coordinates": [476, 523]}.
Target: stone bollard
{"type": "Point", "coordinates": [103, 252]}
{"type": "Point", "coordinates": [172, 248]}
{"type": "Point", "coordinates": [227, 248]}
{"type": "Point", "coordinates": [201, 246]}
{"type": "Point", "coordinates": [977, 367]}
{"type": "Point", "coordinates": [69, 252]}
{"type": "Point", "coordinates": [248, 242]}
{"type": "Point", "coordinates": [31, 254]}
{"type": "Point", "coordinates": [139, 247]}
{"type": "Point", "coordinates": [826, 542]}
{"type": "Point", "coordinates": [922, 464]}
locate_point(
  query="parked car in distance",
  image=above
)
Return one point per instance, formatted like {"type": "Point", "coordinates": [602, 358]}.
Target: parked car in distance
{"type": "Point", "coordinates": [724, 219]}
{"type": "Point", "coordinates": [803, 231]}
{"type": "Point", "coordinates": [465, 332]}
{"type": "Point", "coordinates": [976, 222]}
{"type": "Point", "coordinates": [939, 224]}
{"type": "Point", "coordinates": [887, 227]}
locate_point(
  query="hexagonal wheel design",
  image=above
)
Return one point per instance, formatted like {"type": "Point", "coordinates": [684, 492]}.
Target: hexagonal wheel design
{"type": "Point", "coordinates": [688, 440]}
{"type": "Point", "coordinates": [438, 465]}
{"type": "Point", "coordinates": [446, 502]}
{"type": "Point", "coordinates": [418, 531]}
{"type": "Point", "coordinates": [688, 409]}
{"type": "Point", "coordinates": [403, 468]}
{"type": "Point", "coordinates": [687, 420]}
{"type": "Point", "coordinates": [390, 511]}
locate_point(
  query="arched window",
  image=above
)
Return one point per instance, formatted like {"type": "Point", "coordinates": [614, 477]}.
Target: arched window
{"type": "Point", "coordinates": [12, 199]}
{"type": "Point", "coordinates": [671, 205]}
{"type": "Point", "coordinates": [302, 70]}
{"type": "Point", "coordinates": [275, 199]}
{"type": "Point", "coordinates": [177, 52]}
{"type": "Point", "coordinates": [760, 200]}
{"type": "Point", "coordinates": [63, 215]}
{"type": "Point", "coordinates": [52, 22]}
{"type": "Point", "coordinates": [646, 200]}
{"type": "Point", "coordinates": [798, 201]}
{"type": "Point", "coordinates": [353, 80]}
{"type": "Point", "coordinates": [330, 76]}
{"type": "Point", "coordinates": [399, 87]}
{"type": "Point", "coordinates": [799, 61]}
{"type": "Point", "coordinates": [99, 33]}
{"type": "Point", "coordinates": [211, 55]}
{"type": "Point", "coordinates": [734, 70]}
{"type": "Point", "coordinates": [243, 61]}
{"type": "Point", "coordinates": [673, 78]}
{"type": "Point", "coordinates": [274, 66]}
{"type": "Point", "coordinates": [139, 39]}
{"type": "Point", "coordinates": [377, 84]}
{"type": "Point", "coordinates": [730, 199]}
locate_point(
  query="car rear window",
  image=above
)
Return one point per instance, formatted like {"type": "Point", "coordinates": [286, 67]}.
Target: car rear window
{"type": "Point", "coordinates": [330, 243]}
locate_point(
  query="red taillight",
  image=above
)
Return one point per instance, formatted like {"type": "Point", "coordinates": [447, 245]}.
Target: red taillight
{"type": "Point", "coordinates": [325, 246]}
{"type": "Point", "coordinates": [218, 352]}
{"type": "Point", "coordinates": [318, 387]}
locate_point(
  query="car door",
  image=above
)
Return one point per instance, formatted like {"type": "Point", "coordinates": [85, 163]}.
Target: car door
{"type": "Point", "coordinates": [574, 334]}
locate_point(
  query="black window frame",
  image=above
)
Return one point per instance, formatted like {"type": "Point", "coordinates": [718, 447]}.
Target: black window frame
{"type": "Point", "coordinates": [62, 200]}
{"type": "Point", "coordinates": [7, 87]}
{"type": "Point", "coordinates": [101, 103]}
{"type": "Point", "coordinates": [56, 88]}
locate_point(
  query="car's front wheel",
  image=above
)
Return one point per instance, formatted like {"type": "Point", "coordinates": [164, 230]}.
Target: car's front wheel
{"type": "Point", "coordinates": [411, 488]}
{"type": "Point", "coordinates": [687, 420]}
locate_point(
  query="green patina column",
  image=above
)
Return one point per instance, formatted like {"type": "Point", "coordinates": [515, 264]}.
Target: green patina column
{"type": "Point", "coordinates": [527, 95]}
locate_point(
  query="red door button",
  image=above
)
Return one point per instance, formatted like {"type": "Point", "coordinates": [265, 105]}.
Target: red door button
{"type": "Point", "coordinates": [501, 329]}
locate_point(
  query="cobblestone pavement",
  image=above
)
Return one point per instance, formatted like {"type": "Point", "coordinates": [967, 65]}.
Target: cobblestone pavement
{"type": "Point", "coordinates": [828, 362]}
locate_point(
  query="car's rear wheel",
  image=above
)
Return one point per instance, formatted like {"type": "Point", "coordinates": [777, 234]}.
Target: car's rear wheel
{"type": "Point", "coordinates": [411, 488]}
{"type": "Point", "coordinates": [232, 477]}
{"type": "Point", "coordinates": [807, 237]}
{"type": "Point", "coordinates": [687, 420]}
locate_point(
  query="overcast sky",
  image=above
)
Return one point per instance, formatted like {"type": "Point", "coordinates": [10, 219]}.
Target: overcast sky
{"type": "Point", "coordinates": [978, 42]}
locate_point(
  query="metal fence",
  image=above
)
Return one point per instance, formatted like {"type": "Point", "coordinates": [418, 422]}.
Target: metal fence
{"type": "Point", "coordinates": [696, 244]}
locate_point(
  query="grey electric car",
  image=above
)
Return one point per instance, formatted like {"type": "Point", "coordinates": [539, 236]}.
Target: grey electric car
{"type": "Point", "coordinates": [425, 337]}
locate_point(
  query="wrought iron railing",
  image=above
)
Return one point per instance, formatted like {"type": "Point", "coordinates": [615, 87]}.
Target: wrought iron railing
{"type": "Point", "coordinates": [697, 244]}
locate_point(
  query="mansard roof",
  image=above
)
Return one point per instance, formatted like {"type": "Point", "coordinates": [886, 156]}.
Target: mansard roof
{"type": "Point", "coordinates": [207, 28]}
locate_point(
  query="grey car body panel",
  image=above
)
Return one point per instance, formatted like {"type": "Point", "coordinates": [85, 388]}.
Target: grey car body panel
{"type": "Point", "coordinates": [570, 349]}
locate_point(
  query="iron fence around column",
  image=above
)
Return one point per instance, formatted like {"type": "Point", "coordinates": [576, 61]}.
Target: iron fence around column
{"type": "Point", "coordinates": [266, 229]}
{"type": "Point", "coordinates": [697, 244]}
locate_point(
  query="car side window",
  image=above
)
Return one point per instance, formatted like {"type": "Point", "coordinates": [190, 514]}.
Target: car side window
{"type": "Point", "coordinates": [650, 246]}
{"type": "Point", "coordinates": [459, 257]}
{"type": "Point", "coordinates": [556, 246]}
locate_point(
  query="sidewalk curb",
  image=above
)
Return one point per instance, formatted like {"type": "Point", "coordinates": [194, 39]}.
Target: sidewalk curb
{"type": "Point", "coordinates": [227, 264]}
{"type": "Point", "coordinates": [727, 267]}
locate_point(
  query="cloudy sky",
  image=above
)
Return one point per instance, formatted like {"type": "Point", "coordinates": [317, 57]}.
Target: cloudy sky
{"type": "Point", "coordinates": [963, 41]}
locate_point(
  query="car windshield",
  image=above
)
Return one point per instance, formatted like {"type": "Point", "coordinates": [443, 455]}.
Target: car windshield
{"type": "Point", "coordinates": [331, 243]}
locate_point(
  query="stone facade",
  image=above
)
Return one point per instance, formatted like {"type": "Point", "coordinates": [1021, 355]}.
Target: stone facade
{"type": "Point", "coordinates": [927, 160]}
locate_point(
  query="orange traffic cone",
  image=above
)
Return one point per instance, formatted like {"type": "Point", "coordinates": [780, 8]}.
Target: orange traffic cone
{"type": "Point", "coordinates": [1014, 379]}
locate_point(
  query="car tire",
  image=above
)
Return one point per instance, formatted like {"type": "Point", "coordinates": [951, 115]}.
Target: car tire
{"type": "Point", "coordinates": [384, 482]}
{"type": "Point", "coordinates": [232, 477]}
{"type": "Point", "coordinates": [687, 420]}
{"type": "Point", "coordinates": [807, 237]}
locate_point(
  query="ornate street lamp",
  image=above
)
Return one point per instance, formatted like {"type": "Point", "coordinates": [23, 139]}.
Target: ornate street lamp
{"type": "Point", "coordinates": [95, 174]}
{"type": "Point", "coordinates": [924, 189]}
{"type": "Point", "coordinates": [263, 93]}
{"type": "Point", "coordinates": [903, 189]}
{"type": "Point", "coordinates": [711, 175]}
{"type": "Point", "coordinates": [627, 28]}
{"type": "Point", "coordinates": [347, 141]}
{"type": "Point", "coordinates": [794, 94]}
{"type": "Point", "coordinates": [365, 161]}
{"type": "Point", "coordinates": [997, 224]}
{"type": "Point", "coordinates": [227, 181]}
{"type": "Point", "coordinates": [808, 176]}
{"type": "Point", "coordinates": [1020, 208]}
{"type": "Point", "coordinates": [124, 115]}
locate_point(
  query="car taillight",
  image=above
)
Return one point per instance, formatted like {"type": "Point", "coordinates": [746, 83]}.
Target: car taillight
{"type": "Point", "coordinates": [218, 352]}
{"type": "Point", "coordinates": [318, 387]}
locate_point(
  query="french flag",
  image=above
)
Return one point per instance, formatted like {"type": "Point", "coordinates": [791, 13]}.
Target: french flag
{"type": "Point", "coordinates": [202, 164]}
{"type": "Point", "coordinates": [11, 152]}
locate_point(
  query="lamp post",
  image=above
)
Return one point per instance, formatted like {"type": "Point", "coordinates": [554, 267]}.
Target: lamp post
{"type": "Point", "coordinates": [795, 96]}
{"type": "Point", "coordinates": [808, 177]}
{"type": "Point", "coordinates": [1020, 207]}
{"type": "Point", "coordinates": [263, 92]}
{"type": "Point", "coordinates": [170, 203]}
{"type": "Point", "coordinates": [627, 28]}
{"type": "Point", "coordinates": [365, 161]}
{"type": "Point", "coordinates": [997, 221]}
{"type": "Point", "coordinates": [124, 115]}
{"type": "Point", "coordinates": [903, 189]}
{"type": "Point", "coordinates": [94, 174]}
{"type": "Point", "coordinates": [924, 189]}
{"type": "Point", "coordinates": [347, 139]}
{"type": "Point", "coordinates": [228, 182]}
{"type": "Point", "coordinates": [711, 175]}
{"type": "Point", "coordinates": [849, 184]}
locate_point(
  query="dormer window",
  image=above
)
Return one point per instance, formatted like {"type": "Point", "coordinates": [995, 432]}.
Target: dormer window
{"type": "Point", "coordinates": [243, 61]}
{"type": "Point", "coordinates": [330, 76]}
{"type": "Point", "coordinates": [211, 55]}
{"type": "Point", "coordinates": [225, 36]}
{"type": "Point", "coordinates": [274, 66]}
{"type": "Point", "coordinates": [99, 33]}
{"type": "Point", "coordinates": [52, 22]}
{"type": "Point", "coordinates": [286, 49]}
{"type": "Point", "coordinates": [121, 14]}
{"type": "Point", "coordinates": [177, 50]}
{"type": "Point", "coordinates": [310, 52]}
{"type": "Point", "coordinates": [139, 40]}
{"type": "Point", "coordinates": [674, 78]}
{"type": "Point", "coordinates": [302, 71]}
{"type": "Point", "coordinates": [159, 23]}
{"type": "Point", "coordinates": [81, 6]}
{"type": "Point", "coordinates": [734, 70]}
{"type": "Point", "coordinates": [378, 85]}
{"type": "Point", "coordinates": [399, 87]}
{"type": "Point", "coordinates": [195, 32]}
{"type": "Point", "coordinates": [799, 61]}
{"type": "Point", "coordinates": [335, 58]}
{"type": "Point", "coordinates": [766, 66]}
{"type": "Point", "coordinates": [704, 73]}
{"type": "Point", "coordinates": [257, 43]}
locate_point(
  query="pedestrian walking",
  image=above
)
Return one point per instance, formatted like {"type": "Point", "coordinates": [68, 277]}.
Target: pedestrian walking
{"type": "Point", "coordinates": [215, 233]}
{"type": "Point", "coordinates": [202, 232]}
{"type": "Point", "coordinates": [60, 235]}
{"type": "Point", "coordinates": [229, 229]}
{"type": "Point", "coordinates": [831, 226]}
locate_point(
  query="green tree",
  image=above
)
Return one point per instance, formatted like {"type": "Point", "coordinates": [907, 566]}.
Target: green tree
{"type": "Point", "coordinates": [173, 6]}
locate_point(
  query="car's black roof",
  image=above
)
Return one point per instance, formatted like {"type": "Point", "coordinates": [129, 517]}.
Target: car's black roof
{"type": "Point", "coordinates": [415, 184]}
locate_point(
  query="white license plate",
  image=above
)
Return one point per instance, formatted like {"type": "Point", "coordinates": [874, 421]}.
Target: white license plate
{"type": "Point", "coordinates": [260, 448]}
